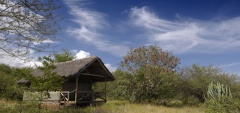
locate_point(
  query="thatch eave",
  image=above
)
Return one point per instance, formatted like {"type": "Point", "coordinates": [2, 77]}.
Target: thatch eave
{"type": "Point", "coordinates": [72, 69]}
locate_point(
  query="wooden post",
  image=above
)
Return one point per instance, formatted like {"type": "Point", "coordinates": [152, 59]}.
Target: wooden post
{"type": "Point", "coordinates": [76, 90]}
{"type": "Point", "coordinates": [91, 85]}
{"type": "Point", "coordinates": [91, 90]}
{"type": "Point", "coordinates": [105, 91]}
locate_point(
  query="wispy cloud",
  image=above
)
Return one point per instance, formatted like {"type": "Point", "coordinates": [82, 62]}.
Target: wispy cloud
{"type": "Point", "coordinates": [187, 35]}
{"type": "Point", "coordinates": [231, 68]}
{"type": "Point", "coordinates": [230, 65]}
{"type": "Point", "coordinates": [90, 24]}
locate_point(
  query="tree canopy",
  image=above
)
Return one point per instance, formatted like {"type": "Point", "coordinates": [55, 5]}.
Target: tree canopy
{"type": "Point", "coordinates": [27, 25]}
{"type": "Point", "coordinates": [63, 57]}
{"type": "Point", "coordinates": [150, 58]}
{"type": "Point", "coordinates": [151, 73]}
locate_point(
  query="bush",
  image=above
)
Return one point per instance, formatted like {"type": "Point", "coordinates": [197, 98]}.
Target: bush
{"type": "Point", "coordinates": [9, 88]}
{"type": "Point", "coordinates": [219, 99]}
{"type": "Point", "coordinates": [213, 106]}
{"type": "Point", "coordinates": [195, 81]}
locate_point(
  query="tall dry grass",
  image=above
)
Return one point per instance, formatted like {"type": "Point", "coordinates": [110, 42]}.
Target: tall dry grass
{"type": "Point", "coordinates": [126, 107]}
{"type": "Point", "coordinates": [115, 106]}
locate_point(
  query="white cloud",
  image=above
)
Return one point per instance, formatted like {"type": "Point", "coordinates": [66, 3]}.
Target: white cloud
{"type": "Point", "coordinates": [18, 62]}
{"type": "Point", "coordinates": [90, 24]}
{"type": "Point", "coordinates": [45, 42]}
{"type": "Point", "coordinates": [82, 54]}
{"type": "Point", "coordinates": [110, 67]}
{"type": "Point", "coordinates": [189, 35]}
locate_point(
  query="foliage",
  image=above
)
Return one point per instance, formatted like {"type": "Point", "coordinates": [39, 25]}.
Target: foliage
{"type": "Point", "coordinates": [24, 72]}
{"type": "Point", "coordinates": [119, 88]}
{"type": "Point", "coordinates": [47, 80]}
{"type": "Point", "coordinates": [9, 88]}
{"type": "Point", "coordinates": [27, 25]}
{"type": "Point", "coordinates": [6, 69]}
{"type": "Point", "coordinates": [64, 56]}
{"type": "Point", "coordinates": [116, 89]}
{"type": "Point", "coordinates": [151, 73]}
{"type": "Point", "coordinates": [195, 80]}
{"type": "Point", "coordinates": [219, 99]}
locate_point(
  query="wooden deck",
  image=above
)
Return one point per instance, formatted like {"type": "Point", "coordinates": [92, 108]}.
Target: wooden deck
{"type": "Point", "coordinates": [83, 98]}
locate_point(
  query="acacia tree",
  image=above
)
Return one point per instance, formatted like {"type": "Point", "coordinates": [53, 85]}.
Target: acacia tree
{"type": "Point", "coordinates": [152, 71]}
{"type": "Point", "coordinates": [27, 25]}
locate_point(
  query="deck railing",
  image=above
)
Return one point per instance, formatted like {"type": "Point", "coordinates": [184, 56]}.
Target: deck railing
{"type": "Point", "coordinates": [83, 96]}
{"type": "Point", "coordinates": [64, 96]}
{"type": "Point", "coordinates": [90, 97]}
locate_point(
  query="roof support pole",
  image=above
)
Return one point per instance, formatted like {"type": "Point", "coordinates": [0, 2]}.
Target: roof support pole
{"type": "Point", "coordinates": [76, 90]}
{"type": "Point", "coordinates": [105, 90]}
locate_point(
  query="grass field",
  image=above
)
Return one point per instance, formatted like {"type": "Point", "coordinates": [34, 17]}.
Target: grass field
{"type": "Point", "coordinates": [125, 107]}
{"type": "Point", "coordinates": [110, 107]}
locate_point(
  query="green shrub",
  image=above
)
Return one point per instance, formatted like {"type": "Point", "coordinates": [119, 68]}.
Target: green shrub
{"type": "Point", "coordinates": [219, 99]}
{"type": "Point", "coordinates": [196, 78]}
{"type": "Point", "coordinates": [9, 88]}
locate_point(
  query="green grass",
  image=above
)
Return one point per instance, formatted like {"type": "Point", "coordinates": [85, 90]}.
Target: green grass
{"type": "Point", "coordinates": [115, 106]}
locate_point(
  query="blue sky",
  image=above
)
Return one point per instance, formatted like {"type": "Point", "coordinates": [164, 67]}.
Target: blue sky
{"type": "Point", "coordinates": [204, 32]}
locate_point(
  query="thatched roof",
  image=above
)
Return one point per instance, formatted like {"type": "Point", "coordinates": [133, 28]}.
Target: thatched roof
{"type": "Point", "coordinates": [91, 67]}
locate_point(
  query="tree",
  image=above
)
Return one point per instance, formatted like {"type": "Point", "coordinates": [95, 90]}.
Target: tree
{"type": "Point", "coordinates": [27, 25]}
{"type": "Point", "coordinates": [45, 79]}
{"type": "Point", "coordinates": [6, 69]}
{"type": "Point", "coordinates": [151, 73]}
{"type": "Point", "coordinates": [9, 88]}
{"type": "Point", "coordinates": [63, 57]}
{"type": "Point", "coordinates": [196, 79]}
{"type": "Point", "coordinates": [48, 80]}
{"type": "Point", "coordinates": [116, 89]}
